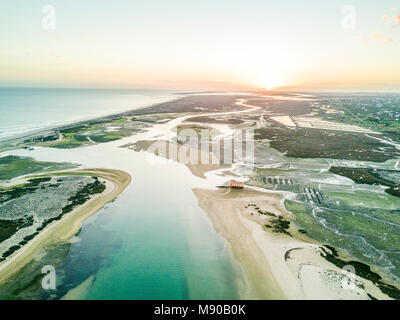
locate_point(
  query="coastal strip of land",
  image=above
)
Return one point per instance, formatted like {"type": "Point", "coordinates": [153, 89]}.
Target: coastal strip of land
{"type": "Point", "coordinates": [115, 181]}
{"type": "Point", "coordinates": [279, 263]}
{"type": "Point", "coordinates": [222, 207]}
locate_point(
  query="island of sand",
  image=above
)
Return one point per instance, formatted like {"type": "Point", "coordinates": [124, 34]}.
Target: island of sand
{"type": "Point", "coordinates": [109, 184]}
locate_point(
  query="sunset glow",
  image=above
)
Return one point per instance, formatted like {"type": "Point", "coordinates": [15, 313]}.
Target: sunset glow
{"type": "Point", "coordinates": [261, 44]}
{"type": "Point", "coordinates": [270, 84]}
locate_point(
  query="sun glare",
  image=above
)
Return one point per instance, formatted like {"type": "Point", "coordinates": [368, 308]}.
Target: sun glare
{"type": "Point", "coordinates": [271, 83]}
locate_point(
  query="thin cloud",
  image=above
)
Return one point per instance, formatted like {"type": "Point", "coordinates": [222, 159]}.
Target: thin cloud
{"type": "Point", "coordinates": [381, 37]}
{"type": "Point", "coordinates": [375, 37]}
{"type": "Point", "coordinates": [392, 20]}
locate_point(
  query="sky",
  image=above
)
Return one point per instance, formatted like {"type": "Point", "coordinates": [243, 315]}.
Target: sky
{"type": "Point", "coordinates": [201, 45]}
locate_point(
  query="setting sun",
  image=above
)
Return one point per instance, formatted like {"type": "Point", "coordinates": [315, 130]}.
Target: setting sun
{"type": "Point", "coordinates": [270, 84]}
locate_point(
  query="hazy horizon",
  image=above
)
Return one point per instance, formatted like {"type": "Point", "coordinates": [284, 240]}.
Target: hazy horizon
{"type": "Point", "coordinates": [194, 90]}
{"type": "Point", "coordinates": [229, 45]}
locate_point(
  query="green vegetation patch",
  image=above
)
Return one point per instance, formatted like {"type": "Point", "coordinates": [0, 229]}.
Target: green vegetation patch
{"type": "Point", "coordinates": [368, 234]}
{"type": "Point", "coordinates": [279, 225]}
{"type": "Point", "coordinates": [82, 195]}
{"type": "Point", "coordinates": [369, 176]}
{"type": "Point", "coordinates": [44, 138]}
{"type": "Point", "coordinates": [69, 144]}
{"type": "Point", "coordinates": [97, 131]}
{"type": "Point", "coordinates": [362, 270]}
{"type": "Point", "coordinates": [9, 227]}
{"type": "Point", "coordinates": [204, 119]}
{"type": "Point", "coordinates": [107, 137]}
{"type": "Point", "coordinates": [19, 191]}
{"type": "Point", "coordinates": [360, 200]}
{"type": "Point", "coordinates": [15, 166]}
{"type": "Point", "coordinates": [377, 112]}
{"type": "Point", "coordinates": [316, 143]}
{"type": "Point", "coordinates": [276, 223]}
{"type": "Point", "coordinates": [120, 120]}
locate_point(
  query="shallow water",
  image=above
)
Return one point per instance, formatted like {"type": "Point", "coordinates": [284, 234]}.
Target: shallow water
{"type": "Point", "coordinates": [153, 242]}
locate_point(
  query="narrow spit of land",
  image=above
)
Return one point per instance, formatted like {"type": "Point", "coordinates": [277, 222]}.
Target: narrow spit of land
{"type": "Point", "coordinates": [62, 230]}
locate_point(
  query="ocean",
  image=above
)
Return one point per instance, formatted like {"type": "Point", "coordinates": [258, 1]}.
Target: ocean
{"type": "Point", "coordinates": [26, 109]}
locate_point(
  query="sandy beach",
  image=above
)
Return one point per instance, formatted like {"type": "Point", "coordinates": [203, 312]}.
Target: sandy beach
{"type": "Point", "coordinates": [277, 266]}
{"type": "Point", "coordinates": [62, 230]}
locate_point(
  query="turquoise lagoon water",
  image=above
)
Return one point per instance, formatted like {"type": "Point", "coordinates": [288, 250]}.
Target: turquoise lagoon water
{"type": "Point", "coordinates": [153, 241]}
